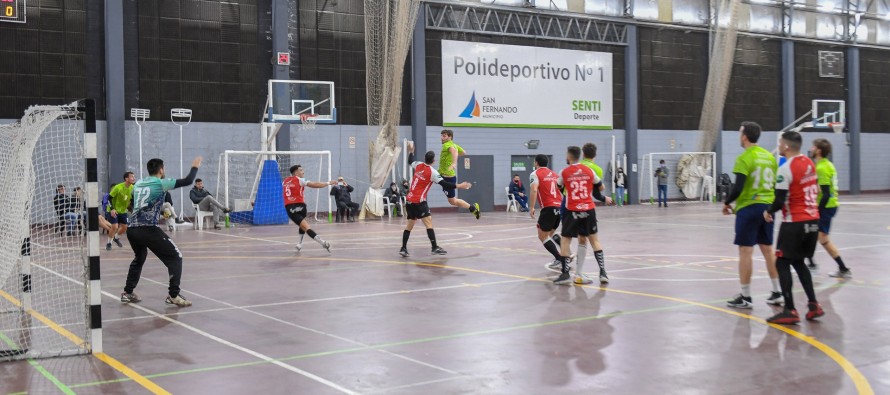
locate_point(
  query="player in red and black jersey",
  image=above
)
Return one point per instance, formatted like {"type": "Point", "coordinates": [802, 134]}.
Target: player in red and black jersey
{"type": "Point", "coordinates": [581, 185]}
{"type": "Point", "coordinates": [546, 192]}
{"type": "Point", "coordinates": [424, 177]}
{"type": "Point", "coordinates": [295, 204]}
{"type": "Point", "coordinates": [797, 182]}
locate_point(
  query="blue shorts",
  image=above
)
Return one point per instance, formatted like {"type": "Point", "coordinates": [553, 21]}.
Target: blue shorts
{"type": "Point", "coordinates": [450, 193]}
{"type": "Point", "coordinates": [751, 228]}
{"type": "Point", "coordinates": [825, 216]}
{"type": "Point", "coordinates": [563, 210]}
{"type": "Point", "coordinates": [120, 219]}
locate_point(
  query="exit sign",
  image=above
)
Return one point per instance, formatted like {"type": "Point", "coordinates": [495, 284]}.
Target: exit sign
{"type": "Point", "coordinates": [12, 11]}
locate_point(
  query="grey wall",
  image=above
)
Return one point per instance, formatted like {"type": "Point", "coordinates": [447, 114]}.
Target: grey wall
{"type": "Point", "coordinates": [503, 143]}
{"type": "Point", "coordinates": [840, 157]}
{"type": "Point", "coordinates": [875, 164]}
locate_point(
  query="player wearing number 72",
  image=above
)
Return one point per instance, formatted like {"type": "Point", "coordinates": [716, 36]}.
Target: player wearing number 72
{"type": "Point", "coordinates": [755, 175]}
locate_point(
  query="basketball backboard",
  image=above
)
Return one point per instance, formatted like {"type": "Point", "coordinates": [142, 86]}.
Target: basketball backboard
{"type": "Point", "coordinates": [828, 111]}
{"type": "Point", "coordinates": [288, 99]}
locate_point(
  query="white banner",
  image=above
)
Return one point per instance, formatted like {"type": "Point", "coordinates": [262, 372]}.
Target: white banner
{"type": "Point", "coordinates": [494, 85]}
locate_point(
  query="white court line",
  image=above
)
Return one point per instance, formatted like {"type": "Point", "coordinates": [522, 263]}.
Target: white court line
{"type": "Point", "coordinates": [414, 385]}
{"type": "Point", "coordinates": [295, 325]}
{"type": "Point", "coordinates": [222, 341]}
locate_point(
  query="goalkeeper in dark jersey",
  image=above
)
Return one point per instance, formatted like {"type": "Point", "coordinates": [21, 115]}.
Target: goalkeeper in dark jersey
{"type": "Point", "coordinates": [144, 233]}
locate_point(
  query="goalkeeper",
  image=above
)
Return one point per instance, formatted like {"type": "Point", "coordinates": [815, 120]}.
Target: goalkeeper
{"type": "Point", "coordinates": [144, 233]}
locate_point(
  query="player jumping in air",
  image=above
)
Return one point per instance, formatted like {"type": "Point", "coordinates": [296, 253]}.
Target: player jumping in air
{"type": "Point", "coordinates": [295, 205]}
{"type": "Point", "coordinates": [797, 181]}
{"type": "Point", "coordinates": [424, 177]}
{"type": "Point", "coordinates": [144, 233]}
{"type": "Point", "coordinates": [544, 190]}
{"type": "Point", "coordinates": [581, 185]}
{"type": "Point", "coordinates": [827, 204]}
{"type": "Point", "coordinates": [755, 175]}
{"type": "Point", "coordinates": [448, 171]}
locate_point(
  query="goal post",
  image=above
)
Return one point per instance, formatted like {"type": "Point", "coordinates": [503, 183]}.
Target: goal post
{"type": "Point", "coordinates": [249, 183]}
{"type": "Point", "coordinates": [691, 176]}
{"type": "Point", "coordinates": [49, 254]}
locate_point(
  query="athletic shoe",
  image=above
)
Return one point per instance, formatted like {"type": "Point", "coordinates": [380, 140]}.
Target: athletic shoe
{"type": "Point", "coordinates": [815, 311]}
{"type": "Point", "coordinates": [813, 266]}
{"type": "Point", "coordinates": [118, 242]}
{"type": "Point", "coordinates": [179, 221]}
{"type": "Point", "coordinates": [582, 279]}
{"type": "Point", "coordinates": [775, 299]}
{"type": "Point", "coordinates": [404, 252]}
{"type": "Point", "coordinates": [326, 245]}
{"type": "Point", "coordinates": [476, 210]}
{"type": "Point", "coordinates": [178, 300]}
{"type": "Point", "coordinates": [439, 251]}
{"type": "Point", "coordinates": [299, 247]}
{"type": "Point", "coordinates": [564, 279]}
{"type": "Point", "coordinates": [108, 246]}
{"type": "Point", "coordinates": [845, 274]}
{"type": "Point", "coordinates": [604, 279]}
{"type": "Point", "coordinates": [130, 298]}
{"type": "Point", "coordinates": [170, 227]}
{"type": "Point", "coordinates": [740, 302]}
{"type": "Point", "coordinates": [786, 317]}
{"type": "Point", "coordinates": [555, 265]}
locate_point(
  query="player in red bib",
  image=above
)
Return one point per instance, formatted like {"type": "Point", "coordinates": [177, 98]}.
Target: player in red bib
{"type": "Point", "coordinates": [796, 181]}
{"type": "Point", "coordinates": [424, 177]}
{"type": "Point", "coordinates": [546, 192]}
{"type": "Point", "coordinates": [295, 205]}
{"type": "Point", "coordinates": [581, 185]}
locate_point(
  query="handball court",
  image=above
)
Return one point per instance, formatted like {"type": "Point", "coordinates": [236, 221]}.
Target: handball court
{"type": "Point", "coordinates": [483, 319]}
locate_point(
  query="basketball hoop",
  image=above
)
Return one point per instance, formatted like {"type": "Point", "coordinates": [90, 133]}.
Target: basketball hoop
{"type": "Point", "coordinates": [308, 121]}
{"type": "Point", "coordinates": [838, 127]}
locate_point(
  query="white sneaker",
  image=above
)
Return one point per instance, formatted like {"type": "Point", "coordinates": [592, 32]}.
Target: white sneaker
{"type": "Point", "coordinates": [299, 247]}
{"type": "Point", "coordinates": [554, 265]}
{"type": "Point", "coordinates": [178, 300]}
{"type": "Point", "coordinates": [327, 246]}
{"type": "Point", "coordinates": [582, 279]}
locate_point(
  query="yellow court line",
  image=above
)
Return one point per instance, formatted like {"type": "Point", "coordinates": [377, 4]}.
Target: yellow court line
{"type": "Point", "coordinates": [863, 387]}
{"type": "Point", "coordinates": [114, 363]}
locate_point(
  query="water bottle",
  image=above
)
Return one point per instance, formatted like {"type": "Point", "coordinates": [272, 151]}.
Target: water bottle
{"type": "Point", "coordinates": [228, 223]}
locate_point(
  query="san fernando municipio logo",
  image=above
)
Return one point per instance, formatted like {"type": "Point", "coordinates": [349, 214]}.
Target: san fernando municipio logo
{"type": "Point", "coordinates": [472, 109]}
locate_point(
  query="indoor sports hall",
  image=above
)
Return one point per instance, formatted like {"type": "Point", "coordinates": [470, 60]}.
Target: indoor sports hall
{"type": "Point", "coordinates": [235, 197]}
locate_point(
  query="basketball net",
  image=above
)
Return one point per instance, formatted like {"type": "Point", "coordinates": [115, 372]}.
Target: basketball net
{"type": "Point", "coordinates": [838, 127]}
{"type": "Point", "coordinates": [308, 121]}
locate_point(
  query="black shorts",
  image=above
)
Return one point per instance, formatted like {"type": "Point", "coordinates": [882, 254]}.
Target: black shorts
{"type": "Point", "coordinates": [450, 192]}
{"type": "Point", "coordinates": [579, 223]}
{"type": "Point", "coordinates": [296, 212]}
{"type": "Point", "coordinates": [417, 210]}
{"type": "Point", "coordinates": [548, 219]}
{"type": "Point", "coordinates": [797, 240]}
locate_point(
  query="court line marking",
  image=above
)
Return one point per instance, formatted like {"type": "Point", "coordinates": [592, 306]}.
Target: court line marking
{"type": "Point", "coordinates": [415, 385]}
{"type": "Point", "coordinates": [316, 331]}
{"type": "Point", "coordinates": [109, 360]}
{"type": "Point", "coordinates": [859, 380]}
{"type": "Point", "coordinates": [42, 370]}
{"type": "Point", "coordinates": [116, 364]}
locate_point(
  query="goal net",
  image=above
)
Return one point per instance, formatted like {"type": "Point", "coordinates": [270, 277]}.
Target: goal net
{"type": "Point", "coordinates": [48, 173]}
{"type": "Point", "coordinates": [690, 176]}
{"type": "Point", "coordinates": [249, 182]}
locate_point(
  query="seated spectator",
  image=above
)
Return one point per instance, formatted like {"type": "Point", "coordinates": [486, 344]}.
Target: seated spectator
{"type": "Point", "coordinates": [206, 202]}
{"type": "Point", "coordinates": [393, 194]}
{"type": "Point", "coordinates": [405, 186]}
{"type": "Point", "coordinates": [169, 212]}
{"type": "Point", "coordinates": [518, 192]}
{"type": "Point", "coordinates": [60, 204]}
{"type": "Point", "coordinates": [75, 208]}
{"type": "Point", "coordinates": [345, 206]}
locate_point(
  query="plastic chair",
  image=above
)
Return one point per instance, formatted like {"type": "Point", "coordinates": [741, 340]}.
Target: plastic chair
{"type": "Point", "coordinates": [511, 201]}
{"type": "Point", "coordinates": [199, 217]}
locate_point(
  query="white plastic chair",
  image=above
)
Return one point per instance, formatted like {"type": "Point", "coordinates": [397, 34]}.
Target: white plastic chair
{"type": "Point", "coordinates": [512, 205]}
{"type": "Point", "coordinates": [199, 217]}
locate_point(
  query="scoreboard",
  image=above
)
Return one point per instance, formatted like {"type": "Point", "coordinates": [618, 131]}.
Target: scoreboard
{"type": "Point", "coordinates": [12, 11]}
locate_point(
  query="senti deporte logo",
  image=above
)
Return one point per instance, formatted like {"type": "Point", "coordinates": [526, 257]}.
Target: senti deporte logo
{"type": "Point", "coordinates": [587, 110]}
{"type": "Point", "coordinates": [490, 108]}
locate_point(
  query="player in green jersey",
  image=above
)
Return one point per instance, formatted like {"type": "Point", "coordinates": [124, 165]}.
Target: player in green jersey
{"type": "Point", "coordinates": [755, 177]}
{"type": "Point", "coordinates": [144, 233]}
{"type": "Point", "coordinates": [828, 204]}
{"type": "Point", "coordinates": [448, 171]}
{"type": "Point", "coordinates": [118, 209]}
